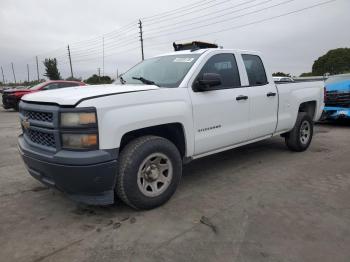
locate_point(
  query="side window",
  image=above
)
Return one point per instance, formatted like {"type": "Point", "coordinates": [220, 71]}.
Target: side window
{"type": "Point", "coordinates": [63, 85]}
{"type": "Point", "coordinates": [51, 86]}
{"type": "Point", "coordinates": [255, 70]}
{"type": "Point", "coordinates": [225, 65]}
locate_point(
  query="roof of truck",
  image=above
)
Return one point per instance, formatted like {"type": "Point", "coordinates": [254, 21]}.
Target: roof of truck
{"type": "Point", "coordinates": [204, 50]}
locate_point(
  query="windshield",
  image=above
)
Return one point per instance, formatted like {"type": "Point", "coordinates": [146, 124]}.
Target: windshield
{"type": "Point", "coordinates": [164, 71]}
{"type": "Point", "coordinates": [35, 87]}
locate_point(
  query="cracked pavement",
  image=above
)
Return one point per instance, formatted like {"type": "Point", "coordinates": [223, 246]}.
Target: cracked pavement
{"type": "Point", "coordinates": [264, 202]}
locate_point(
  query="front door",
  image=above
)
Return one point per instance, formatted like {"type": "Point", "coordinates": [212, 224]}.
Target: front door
{"type": "Point", "coordinates": [221, 116]}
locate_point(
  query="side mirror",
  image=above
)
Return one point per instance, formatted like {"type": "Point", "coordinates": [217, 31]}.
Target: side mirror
{"type": "Point", "coordinates": [207, 82]}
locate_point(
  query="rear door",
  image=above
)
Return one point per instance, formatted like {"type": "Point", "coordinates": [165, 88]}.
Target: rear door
{"type": "Point", "coordinates": [263, 98]}
{"type": "Point", "coordinates": [221, 116]}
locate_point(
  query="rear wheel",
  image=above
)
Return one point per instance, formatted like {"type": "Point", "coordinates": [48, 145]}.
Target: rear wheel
{"type": "Point", "coordinates": [16, 108]}
{"type": "Point", "coordinates": [150, 170]}
{"type": "Point", "coordinates": [299, 138]}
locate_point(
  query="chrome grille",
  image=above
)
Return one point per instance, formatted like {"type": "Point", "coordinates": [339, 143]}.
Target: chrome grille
{"type": "Point", "coordinates": [334, 98]}
{"type": "Point", "coordinates": [38, 116]}
{"type": "Point", "coordinates": [41, 138]}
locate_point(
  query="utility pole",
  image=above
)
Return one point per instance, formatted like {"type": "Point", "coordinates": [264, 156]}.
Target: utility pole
{"type": "Point", "coordinates": [13, 72]}
{"type": "Point", "coordinates": [70, 62]}
{"type": "Point", "coordinates": [28, 72]}
{"type": "Point", "coordinates": [3, 77]}
{"type": "Point", "coordinates": [141, 39]}
{"type": "Point", "coordinates": [99, 74]}
{"type": "Point", "coordinates": [103, 56]}
{"type": "Point", "coordinates": [37, 67]}
{"type": "Point", "coordinates": [117, 73]}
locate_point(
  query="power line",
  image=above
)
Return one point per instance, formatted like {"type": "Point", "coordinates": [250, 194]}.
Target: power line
{"type": "Point", "coordinates": [209, 16]}
{"type": "Point", "coordinates": [167, 13]}
{"type": "Point", "coordinates": [97, 40]}
{"type": "Point", "coordinates": [106, 35]}
{"type": "Point", "coordinates": [222, 21]}
{"type": "Point", "coordinates": [91, 49]}
{"type": "Point", "coordinates": [182, 14]}
{"type": "Point", "coordinates": [263, 20]}
{"type": "Point", "coordinates": [108, 55]}
{"type": "Point", "coordinates": [108, 45]}
{"type": "Point", "coordinates": [99, 51]}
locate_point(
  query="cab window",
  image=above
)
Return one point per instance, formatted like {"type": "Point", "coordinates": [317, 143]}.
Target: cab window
{"type": "Point", "coordinates": [63, 85]}
{"type": "Point", "coordinates": [255, 70]}
{"type": "Point", "coordinates": [225, 66]}
{"type": "Point", "coordinates": [51, 86]}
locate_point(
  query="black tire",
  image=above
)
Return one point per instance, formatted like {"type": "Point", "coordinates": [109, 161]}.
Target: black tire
{"type": "Point", "coordinates": [295, 139]}
{"type": "Point", "coordinates": [130, 161]}
{"type": "Point", "coordinates": [16, 108]}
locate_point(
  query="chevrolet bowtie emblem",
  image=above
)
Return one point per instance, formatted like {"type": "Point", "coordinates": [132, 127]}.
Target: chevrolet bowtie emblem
{"type": "Point", "coordinates": [25, 123]}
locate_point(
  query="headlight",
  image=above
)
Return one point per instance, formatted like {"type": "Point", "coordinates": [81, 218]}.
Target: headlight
{"type": "Point", "coordinates": [79, 141]}
{"type": "Point", "coordinates": [81, 119]}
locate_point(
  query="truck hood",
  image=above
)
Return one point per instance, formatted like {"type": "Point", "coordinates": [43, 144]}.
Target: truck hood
{"type": "Point", "coordinates": [11, 91]}
{"type": "Point", "coordinates": [341, 86]}
{"type": "Point", "coordinates": [73, 95]}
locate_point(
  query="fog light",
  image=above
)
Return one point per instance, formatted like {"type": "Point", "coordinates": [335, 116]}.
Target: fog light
{"type": "Point", "coordinates": [79, 141]}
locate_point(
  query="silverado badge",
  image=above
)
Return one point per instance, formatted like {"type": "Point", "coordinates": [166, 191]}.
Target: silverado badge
{"type": "Point", "coordinates": [25, 123]}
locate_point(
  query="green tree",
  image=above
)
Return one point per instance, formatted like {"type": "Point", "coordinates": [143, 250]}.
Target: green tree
{"type": "Point", "coordinates": [73, 79]}
{"type": "Point", "coordinates": [336, 61]}
{"type": "Point", "coordinates": [306, 74]}
{"type": "Point", "coordinates": [51, 69]}
{"type": "Point", "coordinates": [280, 74]}
{"type": "Point", "coordinates": [98, 80]}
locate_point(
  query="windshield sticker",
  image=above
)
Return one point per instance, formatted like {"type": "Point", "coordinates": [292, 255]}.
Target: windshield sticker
{"type": "Point", "coordinates": [183, 60]}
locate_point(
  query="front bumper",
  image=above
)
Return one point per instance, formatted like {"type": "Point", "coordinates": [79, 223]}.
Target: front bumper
{"type": "Point", "coordinates": [335, 113]}
{"type": "Point", "coordinates": [9, 101]}
{"type": "Point", "coordinates": [87, 177]}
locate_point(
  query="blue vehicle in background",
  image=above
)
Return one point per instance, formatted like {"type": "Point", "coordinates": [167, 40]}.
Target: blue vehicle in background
{"type": "Point", "coordinates": [337, 99]}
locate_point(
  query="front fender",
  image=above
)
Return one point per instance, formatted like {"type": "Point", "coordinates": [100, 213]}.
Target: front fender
{"type": "Point", "coordinates": [120, 114]}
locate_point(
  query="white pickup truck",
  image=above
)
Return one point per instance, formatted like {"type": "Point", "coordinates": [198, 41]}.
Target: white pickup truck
{"type": "Point", "coordinates": [129, 140]}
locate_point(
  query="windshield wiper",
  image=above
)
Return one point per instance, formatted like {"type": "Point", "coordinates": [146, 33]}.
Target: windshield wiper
{"type": "Point", "coordinates": [122, 81]}
{"type": "Point", "coordinates": [144, 80]}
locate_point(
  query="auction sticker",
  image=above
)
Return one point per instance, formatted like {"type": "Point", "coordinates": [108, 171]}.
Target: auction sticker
{"type": "Point", "coordinates": [183, 60]}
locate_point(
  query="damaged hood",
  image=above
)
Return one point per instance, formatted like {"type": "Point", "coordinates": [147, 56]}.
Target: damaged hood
{"type": "Point", "coordinates": [73, 95]}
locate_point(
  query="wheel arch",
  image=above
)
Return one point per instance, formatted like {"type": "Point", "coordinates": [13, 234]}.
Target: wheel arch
{"type": "Point", "coordinates": [308, 107]}
{"type": "Point", "coordinates": [174, 132]}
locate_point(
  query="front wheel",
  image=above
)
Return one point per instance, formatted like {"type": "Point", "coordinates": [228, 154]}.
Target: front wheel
{"type": "Point", "coordinates": [149, 172]}
{"type": "Point", "coordinates": [299, 138]}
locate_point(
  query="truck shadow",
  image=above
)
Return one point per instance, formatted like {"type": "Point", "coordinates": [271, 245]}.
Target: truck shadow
{"type": "Point", "coordinates": [335, 123]}
{"type": "Point", "coordinates": [234, 159]}
{"type": "Point", "coordinates": [198, 171]}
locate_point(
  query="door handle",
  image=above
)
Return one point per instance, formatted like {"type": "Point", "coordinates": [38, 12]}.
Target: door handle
{"type": "Point", "coordinates": [270, 94]}
{"type": "Point", "coordinates": [238, 98]}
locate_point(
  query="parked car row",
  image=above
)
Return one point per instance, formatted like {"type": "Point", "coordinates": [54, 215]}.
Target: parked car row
{"type": "Point", "coordinates": [12, 97]}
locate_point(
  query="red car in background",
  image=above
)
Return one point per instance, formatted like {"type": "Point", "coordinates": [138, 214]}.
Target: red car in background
{"type": "Point", "coordinates": [11, 97]}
